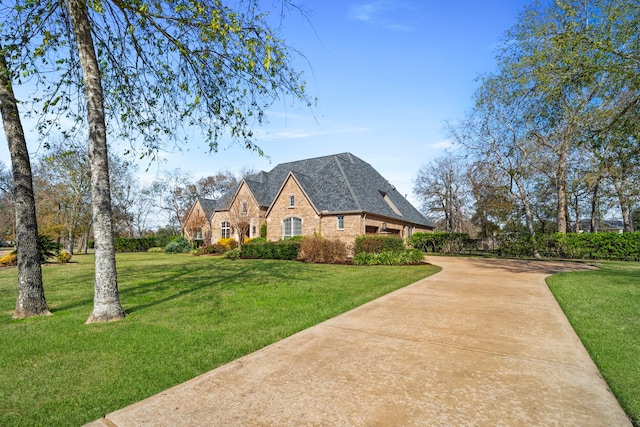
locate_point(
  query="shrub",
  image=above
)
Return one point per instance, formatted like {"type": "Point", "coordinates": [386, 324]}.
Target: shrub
{"type": "Point", "coordinates": [47, 247]}
{"type": "Point", "coordinates": [227, 244]}
{"type": "Point", "coordinates": [376, 244]}
{"type": "Point", "coordinates": [214, 249]}
{"type": "Point", "coordinates": [64, 257]}
{"type": "Point", "coordinates": [403, 257]}
{"type": "Point", "coordinates": [441, 242]}
{"type": "Point", "coordinates": [283, 249]}
{"type": "Point", "coordinates": [258, 240]}
{"type": "Point", "coordinates": [263, 231]}
{"type": "Point", "coordinates": [134, 244]}
{"type": "Point", "coordinates": [232, 254]}
{"type": "Point", "coordinates": [155, 249]}
{"type": "Point", "coordinates": [179, 246]}
{"type": "Point", "coordinates": [320, 250]}
{"type": "Point", "coordinates": [10, 259]}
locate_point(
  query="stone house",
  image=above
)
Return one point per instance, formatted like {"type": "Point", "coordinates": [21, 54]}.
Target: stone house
{"type": "Point", "coordinates": [338, 197]}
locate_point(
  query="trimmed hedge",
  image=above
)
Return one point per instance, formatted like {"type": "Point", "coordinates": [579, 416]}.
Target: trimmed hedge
{"type": "Point", "coordinates": [320, 250]}
{"type": "Point", "coordinates": [441, 242]}
{"type": "Point", "coordinates": [377, 244]}
{"type": "Point", "coordinates": [605, 246]}
{"type": "Point", "coordinates": [403, 257]}
{"type": "Point", "coordinates": [134, 244]}
{"type": "Point", "coordinates": [283, 249]}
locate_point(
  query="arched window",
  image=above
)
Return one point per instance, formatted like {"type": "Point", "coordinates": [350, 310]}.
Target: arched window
{"type": "Point", "coordinates": [291, 227]}
{"type": "Point", "coordinates": [226, 229]}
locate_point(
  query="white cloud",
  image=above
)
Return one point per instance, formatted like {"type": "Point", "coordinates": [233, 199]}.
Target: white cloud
{"type": "Point", "coordinates": [381, 13]}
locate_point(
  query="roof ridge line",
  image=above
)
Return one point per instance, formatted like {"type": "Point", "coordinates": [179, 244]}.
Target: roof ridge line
{"type": "Point", "coordinates": [344, 176]}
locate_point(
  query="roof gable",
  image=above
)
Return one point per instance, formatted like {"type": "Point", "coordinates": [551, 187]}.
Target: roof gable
{"type": "Point", "coordinates": [333, 184]}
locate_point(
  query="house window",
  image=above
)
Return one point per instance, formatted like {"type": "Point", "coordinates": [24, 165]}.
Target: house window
{"type": "Point", "coordinates": [292, 201]}
{"type": "Point", "coordinates": [253, 230]}
{"type": "Point", "coordinates": [199, 234]}
{"type": "Point", "coordinates": [245, 208]}
{"type": "Point", "coordinates": [340, 222]}
{"type": "Point", "coordinates": [291, 227]}
{"type": "Point", "coordinates": [226, 230]}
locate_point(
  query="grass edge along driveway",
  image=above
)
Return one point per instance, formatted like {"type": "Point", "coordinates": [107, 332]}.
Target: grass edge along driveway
{"type": "Point", "coordinates": [186, 316]}
{"type": "Point", "coordinates": [603, 306]}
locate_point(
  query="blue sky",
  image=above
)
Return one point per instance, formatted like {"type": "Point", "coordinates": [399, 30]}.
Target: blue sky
{"type": "Point", "coordinates": [387, 75]}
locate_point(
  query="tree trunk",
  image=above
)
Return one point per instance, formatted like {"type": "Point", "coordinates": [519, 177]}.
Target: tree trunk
{"type": "Point", "coordinates": [528, 216]}
{"type": "Point", "coordinates": [31, 300]}
{"type": "Point", "coordinates": [106, 300]}
{"type": "Point", "coordinates": [594, 205]}
{"type": "Point", "coordinates": [561, 182]}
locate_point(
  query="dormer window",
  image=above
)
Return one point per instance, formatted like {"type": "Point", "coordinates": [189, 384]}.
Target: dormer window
{"type": "Point", "coordinates": [292, 201]}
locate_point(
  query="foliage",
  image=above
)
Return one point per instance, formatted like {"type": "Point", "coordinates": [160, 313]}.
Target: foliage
{"type": "Point", "coordinates": [179, 245]}
{"type": "Point", "coordinates": [440, 242]}
{"type": "Point", "coordinates": [232, 254]}
{"type": "Point", "coordinates": [373, 244]}
{"type": "Point", "coordinates": [321, 250]}
{"type": "Point", "coordinates": [604, 246]}
{"type": "Point", "coordinates": [64, 257]}
{"type": "Point", "coordinates": [227, 243]}
{"type": "Point", "coordinates": [9, 260]}
{"type": "Point", "coordinates": [258, 240]}
{"type": "Point", "coordinates": [164, 236]}
{"type": "Point", "coordinates": [602, 306]}
{"type": "Point", "coordinates": [282, 249]}
{"type": "Point", "coordinates": [403, 257]}
{"type": "Point", "coordinates": [134, 244]}
{"type": "Point", "coordinates": [263, 230]}
{"type": "Point", "coordinates": [47, 247]}
{"type": "Point", "coordinates": [214, 249]}
{"type": "Point", "coordinates": [155, 249]}
{"type": "Point", "coordinates": [211, 311]}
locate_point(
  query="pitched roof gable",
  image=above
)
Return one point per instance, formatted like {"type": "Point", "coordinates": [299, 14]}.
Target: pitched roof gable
{"type": "Point", "coordinates": [334, 184]}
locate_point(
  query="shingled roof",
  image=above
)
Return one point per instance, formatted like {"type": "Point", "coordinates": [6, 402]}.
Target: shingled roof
{"type": "Point", "coordinates": [208, 205]}
{"type": "Point", "coordinates": [335, 184]}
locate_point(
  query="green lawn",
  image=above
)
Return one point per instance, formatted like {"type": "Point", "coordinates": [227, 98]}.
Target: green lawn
{"type": "Point", "coordinates": [604, 308]}
{"type": "Point", "coordinates": [187, 315]}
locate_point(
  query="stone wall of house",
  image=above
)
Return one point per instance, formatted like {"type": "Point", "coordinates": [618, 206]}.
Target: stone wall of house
{"type": "Point", "coordinates": [254, 214]}
{"type": "Point", "coordinates": [197, 221]}
{"type": "Point", "coordinates": [281, 209]}
{"type": "Point", "coordinates": [353, 227]}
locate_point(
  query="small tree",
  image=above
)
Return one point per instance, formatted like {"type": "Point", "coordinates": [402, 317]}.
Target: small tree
{"type": "Point", "coordinates": [242, 215]}
{"type": "Point", "coordinates": [195, 224]}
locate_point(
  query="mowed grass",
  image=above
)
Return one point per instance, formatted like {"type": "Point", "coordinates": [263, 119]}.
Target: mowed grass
{"type": "Point", "coordinates": [186, 315]}
{"type": "Point", "coordinates": [603, 307]}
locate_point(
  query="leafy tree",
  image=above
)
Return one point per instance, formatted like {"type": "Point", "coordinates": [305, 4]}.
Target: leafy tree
{"type": "Point", "coordinates": [158, 68]}
{"type": "Point", "coordinates": [31, 299]}
{"type": "Point", "coordinates": [444, 188]}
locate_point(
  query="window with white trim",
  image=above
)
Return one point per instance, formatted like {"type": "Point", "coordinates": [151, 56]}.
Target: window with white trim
{"type": "Point", "coordinates": [340, 222]}
{"type": "Point", "coordinates": [292, 201]}
{"type": "Point", "coordinates": [225, 228]}
{"type": "Point", "coordinates": [291, 227]}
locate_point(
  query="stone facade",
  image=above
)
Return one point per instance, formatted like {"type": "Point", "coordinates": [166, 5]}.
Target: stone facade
{"type": "Point", "coordinates": [337, 197]}
{"type": "Point", "coordinates": [197, 227]}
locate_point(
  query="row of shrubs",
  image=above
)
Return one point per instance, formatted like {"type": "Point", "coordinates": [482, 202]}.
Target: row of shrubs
{"type": "Point", "coordinates": [368, 250]}
{"type": "Point", "coordinates": [606, 246]}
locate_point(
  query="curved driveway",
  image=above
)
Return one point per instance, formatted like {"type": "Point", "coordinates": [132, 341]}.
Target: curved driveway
{"type": "Point", "coordinates": [482, 343]}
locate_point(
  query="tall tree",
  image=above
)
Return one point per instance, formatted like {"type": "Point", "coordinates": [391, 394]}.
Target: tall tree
{"type": "Point", "coordinates": [443, 186]}
{"type": "Point", "coordinates": [31, 299]}
{"type": "Point", "coordinates": [165, 67]}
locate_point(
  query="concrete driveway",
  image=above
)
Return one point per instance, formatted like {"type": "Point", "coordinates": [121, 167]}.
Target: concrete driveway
{"type": "Point", "coordinates": [482, 343]}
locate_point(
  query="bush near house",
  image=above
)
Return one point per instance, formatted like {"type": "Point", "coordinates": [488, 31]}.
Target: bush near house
{"type": "Point", "coordinates": [283, 249]}
{"type": "Point", "coordinates": [377, 244]}
{"type": "Point", "coordinates": [178, 246]}
{"type": "Point", "coordinates": [317, 249]}
{"type": "Point", "coordinates": [403, 257]}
